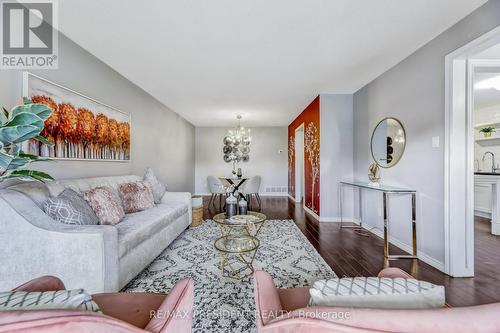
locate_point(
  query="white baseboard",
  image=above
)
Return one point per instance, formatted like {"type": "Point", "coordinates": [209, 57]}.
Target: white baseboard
{"type": "Point", "coordinates": [337, 219]}
{"type": "Point", "coordinates": [273, 194]}
{"type": "Point", "coordinates": [407, 248]}
{"type": "Point", "coordinates": [482, 213]}
{"type": "Point", "coordinates": [292, 198]}
{"type": "Point", "coordinates": [495, 228]}
{"type": "Point", "coordinates": [310, 212]}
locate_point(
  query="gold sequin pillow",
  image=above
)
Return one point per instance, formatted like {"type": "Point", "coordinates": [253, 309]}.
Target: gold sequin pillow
{"type": "Point", "coordinates": [136, 196]}
{"type": "Point", "coordinates": [105, 204]}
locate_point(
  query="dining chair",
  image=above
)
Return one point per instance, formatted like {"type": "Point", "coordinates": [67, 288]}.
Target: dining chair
{"type": "Point", "coordinates": [252, 187]}
{"type": "Point", "coordinates": [216, 189]}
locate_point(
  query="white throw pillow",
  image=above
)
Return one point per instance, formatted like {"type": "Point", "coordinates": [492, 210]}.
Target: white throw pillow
{"type": "Point", "coordinates": [76, 299]}
{"type": "Point", "coordinates": [379, 293]}
{"type": "Point", "coordinates": [157, 187]}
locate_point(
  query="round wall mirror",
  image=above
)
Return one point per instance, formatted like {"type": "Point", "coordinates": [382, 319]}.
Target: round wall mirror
{"type": "Point", "coordinates": [388, 142]}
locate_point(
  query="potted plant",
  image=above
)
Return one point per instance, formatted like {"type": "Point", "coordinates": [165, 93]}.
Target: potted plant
{"type": "Point", "coordinates": [487, 131]}
{"type": "Point", "coordinates": [22, 123]}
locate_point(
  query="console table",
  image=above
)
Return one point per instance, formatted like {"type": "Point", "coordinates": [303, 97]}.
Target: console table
{"type": "Point", "coordinates": [386, 191]}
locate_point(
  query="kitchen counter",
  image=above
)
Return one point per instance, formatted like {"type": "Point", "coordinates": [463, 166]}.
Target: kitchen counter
{"type": "Point", "coordinates": [493, 179]}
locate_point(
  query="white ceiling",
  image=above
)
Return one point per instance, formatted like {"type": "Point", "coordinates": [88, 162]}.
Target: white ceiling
{"type": "Point", "coordinates": [266, 59]}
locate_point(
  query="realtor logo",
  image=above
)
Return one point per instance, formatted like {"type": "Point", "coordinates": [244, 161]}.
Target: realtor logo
{"type": "Point", "coordinates": [29, 34]}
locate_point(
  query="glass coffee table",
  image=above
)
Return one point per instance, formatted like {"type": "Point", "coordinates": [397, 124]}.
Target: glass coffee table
{"type": "Point", "coordinates": [249, 224]}
{"type": "Point", "coordinates": [238, 244]}
{"type": "Point", "coordinates": [237, 254]}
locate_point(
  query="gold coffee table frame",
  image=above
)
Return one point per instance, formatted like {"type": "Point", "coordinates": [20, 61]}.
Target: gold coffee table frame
{"type": "Point", "coordinates": [241, 251]}
{"type": "Point", "coordinates": [238, 244]}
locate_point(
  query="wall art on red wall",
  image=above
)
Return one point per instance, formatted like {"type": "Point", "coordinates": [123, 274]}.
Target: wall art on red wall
{"type": "Point", "coordinates": [309, 118]}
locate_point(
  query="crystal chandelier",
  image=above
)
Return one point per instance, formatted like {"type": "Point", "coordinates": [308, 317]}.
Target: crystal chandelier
{"type": "Point", "coordinates": [236, 144]}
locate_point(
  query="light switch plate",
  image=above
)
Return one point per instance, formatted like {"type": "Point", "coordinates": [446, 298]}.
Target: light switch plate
{"type": "Point", "coordinates": [435, 142]}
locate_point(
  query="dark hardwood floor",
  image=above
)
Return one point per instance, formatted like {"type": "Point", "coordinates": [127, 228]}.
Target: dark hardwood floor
{"type": "Point", "coordinates": [351, 254]}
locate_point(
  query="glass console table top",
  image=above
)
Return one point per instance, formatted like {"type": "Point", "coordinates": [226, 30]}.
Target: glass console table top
{"type": "Point", "coordinates": [381, 187]}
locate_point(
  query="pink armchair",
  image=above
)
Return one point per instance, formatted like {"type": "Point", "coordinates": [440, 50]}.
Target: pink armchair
{"type": "Point", "coordinates": [122, 312]}
{"type": "Point", "coordinates": [285, 310]}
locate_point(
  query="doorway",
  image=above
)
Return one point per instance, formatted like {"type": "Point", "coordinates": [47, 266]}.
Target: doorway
{"type": "Point", "coordinates": [464, 70]}
{"type": "Point", "coordinates": [299, 164]}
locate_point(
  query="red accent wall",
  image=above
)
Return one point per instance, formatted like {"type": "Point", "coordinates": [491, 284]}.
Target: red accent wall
{"type": "Point", "coordinates": [310, 118]}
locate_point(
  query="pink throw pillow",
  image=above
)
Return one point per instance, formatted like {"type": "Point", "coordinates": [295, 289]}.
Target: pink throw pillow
{"type": "Point", "coordinates": [136, 196]}
{"type": "Point", "coordinates": [106, 205]}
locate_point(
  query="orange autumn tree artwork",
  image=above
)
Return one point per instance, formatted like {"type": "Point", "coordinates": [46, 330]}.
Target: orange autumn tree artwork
{"type": "Point", "coordinates": [79, 127]}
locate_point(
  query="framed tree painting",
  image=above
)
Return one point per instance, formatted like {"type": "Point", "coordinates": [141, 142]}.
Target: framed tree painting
{"type": "Point", "coordinates": [81, 128]}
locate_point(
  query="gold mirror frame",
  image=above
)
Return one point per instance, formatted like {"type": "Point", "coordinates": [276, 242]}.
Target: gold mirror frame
{"type": "Point", "coordinates": [404, 144]}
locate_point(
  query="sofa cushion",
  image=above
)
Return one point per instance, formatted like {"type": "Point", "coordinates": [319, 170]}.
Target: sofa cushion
{"type": "Point", "coordinates": [36, 191]}
{"type": "Point", "coordinates": [106, 205]}
{"type": "Point", "coordinates": [377, 293]}
{"type": "Point", "coordinates": [61, 210]}
{"type": "Point", "coordinates": [136, 196]}
{"type": "Point", "coordinates": [157, 187]}
{"type": "Point", "coordinates": [79, 203]}
{"type": "Point", "coordinates": [138, 227]}
{"type": "Point", "coordinates": [82, 185]}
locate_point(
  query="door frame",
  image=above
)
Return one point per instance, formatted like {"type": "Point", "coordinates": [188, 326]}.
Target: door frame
{"type": "Point", "coordinates": [459, 154]}
{"type": "Point", "coordinates": [298, 198]}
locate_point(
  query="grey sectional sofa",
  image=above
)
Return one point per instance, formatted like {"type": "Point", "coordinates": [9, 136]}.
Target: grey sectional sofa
{"type": "Point", "coordinates": [99, 258]}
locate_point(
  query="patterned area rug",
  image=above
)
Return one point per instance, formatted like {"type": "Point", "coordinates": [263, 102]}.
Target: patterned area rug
{"type": "Point", "coordinates": [223, 304]}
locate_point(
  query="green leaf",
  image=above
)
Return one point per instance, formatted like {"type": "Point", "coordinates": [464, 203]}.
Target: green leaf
{"type": "Point", "coordinates": [35, 158]}
{"type": "Point", "coordinates": [18, 162]}
{"type": "Point", "coordinates": [23, 126]}
{"type": "Point", "coordinates": [43, 140]}
{"type": "Point", "coordinates": [18, 134]}
{"type": "Point", "coordinates": [26, 100]}
{"type": "Point", "coordinates": [16, 149]}
{"type": "Point", "coordinates": [30, 156]}
{"type": "Point", "coordinates": [28, 175]}
{"type": "Point", "coordinates": [5, 160]}
{"type": "Point", "coordinates": [25, 118]}
{"type": "Point", "coordinates": [41, 110]}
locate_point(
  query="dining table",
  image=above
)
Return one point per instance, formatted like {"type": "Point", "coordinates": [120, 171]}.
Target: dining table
{"type": "Point", "coordinates": [236, 183]}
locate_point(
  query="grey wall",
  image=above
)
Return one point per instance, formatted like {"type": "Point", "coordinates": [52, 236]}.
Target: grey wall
{"type": "Point", "coordinates": [265, 160]}
{"type": "Point", "coordinates": [336, 122]}
{"type": "Point", "coordinates": [160, 137]}
{"type": "Point", "coordinates": [413, 91]}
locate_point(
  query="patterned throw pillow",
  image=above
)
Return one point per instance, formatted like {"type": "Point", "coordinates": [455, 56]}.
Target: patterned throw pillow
{"type": "Point", "coordinates": [157, 187]}
{"type": "Point", "coordinates": [77, 201]}
{"type": "Point", "coordinates": [374, 292]}
{"type": "Point", "coordinates": [136, 196]}
{"type": "Point", "coordinates": [105, 204]}
{"type": "Point", "coordinates": [61, 210]}
{"type": "Point", "coordinates": [76, 299]}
